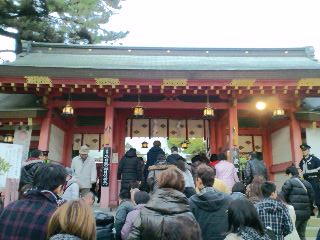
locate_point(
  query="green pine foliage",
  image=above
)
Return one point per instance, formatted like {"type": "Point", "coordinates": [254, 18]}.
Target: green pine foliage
{"type": "Point", "coordinates": [195, 146]}
{"type": "Point", "coordinates": [60, 21]}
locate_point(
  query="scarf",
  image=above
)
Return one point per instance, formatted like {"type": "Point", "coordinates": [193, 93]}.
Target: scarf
{"type": "Point", "coordinates": [249, 233]}
{"type": "Point", "coordinates": [206, 189]}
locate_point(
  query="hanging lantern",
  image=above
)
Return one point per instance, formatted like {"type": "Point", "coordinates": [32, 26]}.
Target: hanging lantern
{"type": "Point", "coordinates": [184, 144]}
{"type": "Point", "coordinates": [208, 111]}
{"type": "Point", "coordinates": [278, 112]}
{"type": "Point", "coordinates": [68, 110]}
{"type": "Point", "coordinates": [144, 144]}
{"type": "Point", "coordinates": [8, 138]}
{"type": "Point", "coordinates": [138, 111]}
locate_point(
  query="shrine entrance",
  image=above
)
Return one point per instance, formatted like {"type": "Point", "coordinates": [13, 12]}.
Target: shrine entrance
{"type": "Point", "coordinates": [191, 136]}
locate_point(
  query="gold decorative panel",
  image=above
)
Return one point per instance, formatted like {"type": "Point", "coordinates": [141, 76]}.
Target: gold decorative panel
{"type": "Point", "coordinates": [107, 81]}
{"type": "Point", "coordinates": [248, 144]}
{"type": "Point", "coordinates": [76, 141]}
{"type": "Point", "coordinates": [38, 80]}
{"type": "Point", "coordinates": [175, 82]}
{"type": "Point", "coordinates": [159, 127]}
{"type": "Point", "coordinates": [92, 141]}
{"type": "Point", "coordinates": [140, 127]}
{"type": "Point", "coordinates": [242, 82]}
{"type": "Point", "coordinates": [195, 128]}
{"type": "Point", "coordinates": [258, 143]}
{"type": "Point", "coordinates": [309, 82]}
{"type": "Point", "coordinates": [177, 128]}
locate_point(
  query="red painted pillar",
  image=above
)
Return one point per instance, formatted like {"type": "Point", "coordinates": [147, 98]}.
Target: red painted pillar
{"type": "Point", "coordinates": [45, 130]}
{"type": "Point", "coordinates": [106, 192]}
{"type": "Point", "coordinates": [221, 133]}
{"type": "Point", "coordinates": [233, 126]}
{"type": "Point", "coordinates": [213, 142]}
{"type": "Point", "coordinates": [295, 138]}
{"type": "Point", "coordinates": [267, 151]}
{"type": "Point", "coordinates": [119, 146]}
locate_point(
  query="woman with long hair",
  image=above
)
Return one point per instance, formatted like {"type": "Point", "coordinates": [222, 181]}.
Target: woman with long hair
{"type": "Point", "coordinates": [74, 220]}
{"type": "Point", "coordinates": [190, 188]}
{"type": "Point", "coordinates": [253, 191]}
{"type": "Point", "coordinates": [244, 222]}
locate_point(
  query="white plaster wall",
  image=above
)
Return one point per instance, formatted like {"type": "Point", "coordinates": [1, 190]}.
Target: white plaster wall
{"type": "Point", "coordinates": [56, 143]}
{"type": "Point", "coordinates": [313, 139]}
{"type": "Point", "coordinates": [281, 146]}
{"type": "Point", "coordinates": [279, 179]}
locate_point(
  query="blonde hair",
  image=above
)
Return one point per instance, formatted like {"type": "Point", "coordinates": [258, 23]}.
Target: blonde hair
{"type": "Point", "coordinates": [171, 178]}
{"type": "Point", "coordinates": [74, 218]}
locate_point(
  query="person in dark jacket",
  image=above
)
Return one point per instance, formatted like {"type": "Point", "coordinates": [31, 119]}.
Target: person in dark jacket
{"type": "Point", "coordinates": [310, 166]}
{"type": "Point", "coordinates": [255, 167]}
{"type": "Point", "coordinates": [238, 191]}
{"type": "Point", "coordinates": [154, 170]}
{"type": "Point", "coordinates": [130, 169]}
{"type": "Point", "coordinates": [174, 156]}
{"type": "Point", "coordinates": [123, 209]}
{"type": "Point", "coordinates": [28, 170]}
{"type": "Point", "coordinates": [140, 200]}
{"type": "Point", "coordinates": [298, 193]}
{"type": "Point", "coordinates": [28, 218]}
{"type": "Point", "coordinates": [167, 215]}
{"type": "Point", "coordinates": [152, 156]}
{"type": "Point", "coordinates": [209, 206]}
{"type": "Point", "coordinates": [104, 225]}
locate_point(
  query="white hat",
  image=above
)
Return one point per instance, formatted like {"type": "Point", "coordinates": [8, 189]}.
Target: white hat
{"type": "Point", "coordinates": [84, 149]}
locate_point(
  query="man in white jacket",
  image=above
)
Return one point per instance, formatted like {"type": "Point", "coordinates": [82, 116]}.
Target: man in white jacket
{"type": "Point", "coordinates": [84, 169]}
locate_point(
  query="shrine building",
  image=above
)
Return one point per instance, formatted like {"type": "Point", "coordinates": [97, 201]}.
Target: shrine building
{"type": "Point", "coordinates": [254, 99]}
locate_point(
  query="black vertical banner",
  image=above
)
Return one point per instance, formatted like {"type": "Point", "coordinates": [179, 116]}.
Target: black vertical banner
{"type": "Point", "coordinates": [105, 166]}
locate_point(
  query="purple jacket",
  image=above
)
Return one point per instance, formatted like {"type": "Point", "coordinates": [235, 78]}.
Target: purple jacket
{"type": "Point", "coordinates": [226, 172]}
{"type": "Point", "coordinates": [129, 220]}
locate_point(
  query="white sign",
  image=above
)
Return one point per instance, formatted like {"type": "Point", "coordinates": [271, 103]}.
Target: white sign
{"type": "Point", "coordinates": [115, 158]}
{"type": "Point", "coordinates": [22, 136]}
{"type": "Point", "coordinates": [12, 154]}
{"type": "Point", "coordinates": [313, 140]}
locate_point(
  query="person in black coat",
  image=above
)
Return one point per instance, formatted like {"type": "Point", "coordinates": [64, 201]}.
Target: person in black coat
{"type": "Point", "coordinates": [310, 166]}
{"type": "Point", "coordinates": [298, 193]}
{"type": "Point", "coordinates": [174, 156]}
{"type": "Point", "coordinates": [130, 169]}
{"type": "Point", "coordinates": [28, 171]}
{"type": "Point", "coordinates": [209, 206]}
{"type": "Point", "coordinates": [152, 156]}
{"type": "Point", "coordinates": [255, 167]}
{"type": "Point", "coordinates": [104, 225]}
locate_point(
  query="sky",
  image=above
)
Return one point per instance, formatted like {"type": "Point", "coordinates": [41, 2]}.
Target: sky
{"type": "Point", "coordinates": [224, 23]}
{"type": "Point", "coordinates": [218, 23]}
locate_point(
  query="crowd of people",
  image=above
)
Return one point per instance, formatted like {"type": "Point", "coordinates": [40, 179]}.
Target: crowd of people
{"type": "Point", "coordinates": [166, 198]}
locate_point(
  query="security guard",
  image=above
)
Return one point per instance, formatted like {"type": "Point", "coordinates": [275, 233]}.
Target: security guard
{"type": "Point", "coordinates": [310, 166]}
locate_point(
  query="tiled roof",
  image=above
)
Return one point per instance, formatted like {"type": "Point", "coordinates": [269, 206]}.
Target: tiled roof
{"type": "Point", "coordinates": [140, 58]}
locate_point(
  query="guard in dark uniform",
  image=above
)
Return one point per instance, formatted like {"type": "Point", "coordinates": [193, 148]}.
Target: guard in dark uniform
{"type": "Point", "coordinates": [310, 166]}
